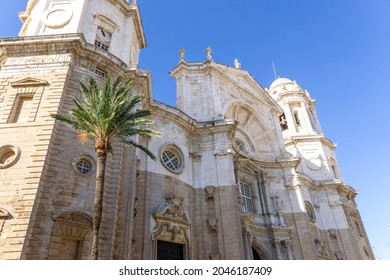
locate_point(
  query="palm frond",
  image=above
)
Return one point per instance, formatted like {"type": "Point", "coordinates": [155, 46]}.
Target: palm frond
{"type": "Point", "coordinates": [142, 148]}
{"type": "Point", "coordinates": [108, 113]}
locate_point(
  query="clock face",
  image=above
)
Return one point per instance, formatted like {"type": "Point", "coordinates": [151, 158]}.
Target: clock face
{"type": "Point", "coordinates": [314, 163]}
{"type": "Point", "coordinates": [103, 35]}
{"type": "Point", "coordinates": [55, 18]}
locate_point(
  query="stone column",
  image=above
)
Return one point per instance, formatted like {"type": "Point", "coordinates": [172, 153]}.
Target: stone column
{"type": "Point", "coordinates": [306, 117]}
{"type": "Point", "coordinates": [278, 252]}
{"type": "Point", "coordinates": [247, 246]}
{"type": "Point", "coordinates": [288, 248]}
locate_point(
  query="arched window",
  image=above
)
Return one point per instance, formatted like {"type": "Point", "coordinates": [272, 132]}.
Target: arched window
{"type": "Point", "coordinates": [240, 145]}
{"type": "Point", "coordinates": [283, 122]}
{"type": "Point", "coordinates": [71, 231]}
{"type": "Point", "coordinates": [259, 252]}
{"type": "Point", "coordinates": [313, 120]}
{"type": "Point", "coordinates": [296, 118]}
{"type": "Point", "coordinates": [310, 212]}
{"type": "Point", "coordinates": [256, 255]}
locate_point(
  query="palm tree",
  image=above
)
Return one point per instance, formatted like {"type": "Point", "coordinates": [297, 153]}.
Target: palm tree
{"type": "Point", "coordinates": [104, 115]}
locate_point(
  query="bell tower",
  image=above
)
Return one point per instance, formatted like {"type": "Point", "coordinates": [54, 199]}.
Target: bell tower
{"type": "Point", "coordinates": [300, 116]}
{"type": "Point", "coordinates": [302, 131]}
{"type": "Point", "coordinates": [113, 26]}
{"type": "Point", "coordinates": [319, 173]}
{"type": "Point", "coordinates": [63, 43]}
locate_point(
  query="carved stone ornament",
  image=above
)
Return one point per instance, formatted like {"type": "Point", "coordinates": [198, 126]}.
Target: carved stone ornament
{"type": "Point", "coordinates": [173, 208]}
{"type": "Point", "coordinates": [320, 244]}
{"type": "Point", "coordinates": [212, 223]}
{"type": "Point", "coordinates": [210, 192]}
{"type": "Point", "coordinates": [195, 155]}
{"type": "Point", "coordinates": [172, 222]}
{"type": "Point", "coordinates": [293, 182]}
{"type": "Point", "coordinates": [333, 233]}
{"type": "Point", "coordinates": [9, 155]}
{"type": "Point", "coordinates": [4, 215]}
{"type": "Point", "coordinates": [247, 218]}
{"type": "Point", "coordinates": [222, 153]}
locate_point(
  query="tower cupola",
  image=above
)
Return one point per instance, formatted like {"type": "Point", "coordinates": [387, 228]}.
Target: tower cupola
{"type": "Point", "coordinates": [299, 116]}
{"type": "Point", "coordinates": [113, 26]}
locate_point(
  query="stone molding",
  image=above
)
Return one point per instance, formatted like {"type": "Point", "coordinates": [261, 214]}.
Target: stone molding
{"type": "Point", "coordinates": [172, 224]}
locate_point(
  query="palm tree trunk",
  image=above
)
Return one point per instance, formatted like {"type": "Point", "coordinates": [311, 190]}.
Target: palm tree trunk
{"type": "Point", "coordinates": [98, 206]}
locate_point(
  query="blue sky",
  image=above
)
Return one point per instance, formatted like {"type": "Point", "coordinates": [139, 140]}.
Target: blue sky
{"type": "Point", "coordinates": [336, 49]}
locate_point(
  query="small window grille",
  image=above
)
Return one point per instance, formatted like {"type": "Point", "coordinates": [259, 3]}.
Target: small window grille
{"type": "Point", "coordinates": [169, 251]}
{"type": "Point", "coordinates": [101, 45]}
{"type": "Point", "coordinates": [101, 72]}
{"type": "Point", "coordinates": [171, 160]}
{"type": "Point", "coordinates": [83, 166]}
{"type": "Point", "coordinates": [246, 197]}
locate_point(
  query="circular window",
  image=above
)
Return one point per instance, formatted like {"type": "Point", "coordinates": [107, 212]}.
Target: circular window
{"type": "Point", "coordinates": [310, 212]}
{"type": "Point", "coordinates": [240, 145]}
{"type": "Point", "coordinates": [9, 155]}
{"type": "Point", "coordinates": [172, 159]}
{"type": "Point", "coordinates": [84, 164]}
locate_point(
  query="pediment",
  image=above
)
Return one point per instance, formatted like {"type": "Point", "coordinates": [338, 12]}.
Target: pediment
{"type": "Point", "coordinates": [29, 82]}
{"type": "Point", "coordinates": [4, 214]}
{"type": "Point", "coordinates": [247, 83]}
{"type": "Point", "coordinates": [73, 217]}
{"type": "Point", "coordinates": [106, 20]}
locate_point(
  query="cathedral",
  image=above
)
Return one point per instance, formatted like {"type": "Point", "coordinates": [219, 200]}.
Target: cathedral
{"type": "Point", "coordinates": [243, 172]}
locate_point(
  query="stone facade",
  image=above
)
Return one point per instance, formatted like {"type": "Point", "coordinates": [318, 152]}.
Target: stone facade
{"type": "Point", "coordinates": [243, 172]}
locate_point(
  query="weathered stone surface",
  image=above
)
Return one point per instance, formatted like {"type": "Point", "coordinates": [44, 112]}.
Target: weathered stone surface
{"type": "Point", "coordinates": [241, 172]}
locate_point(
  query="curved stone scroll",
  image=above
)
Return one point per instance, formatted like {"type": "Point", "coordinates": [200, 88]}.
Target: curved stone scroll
{"type": "Point", "coordinates": [172, 224]}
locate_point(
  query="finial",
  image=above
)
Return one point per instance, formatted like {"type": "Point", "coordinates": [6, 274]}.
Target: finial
{"type": "Point", "coordinates": [208, 53]}
{"type": "Point", "coordinates": [182, 53]}
{"type": "Point", "coordinates": [237, 64]}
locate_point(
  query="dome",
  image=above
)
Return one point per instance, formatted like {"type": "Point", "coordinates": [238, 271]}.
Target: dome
{"type": "Point", "coordinates": [281, 81]}
{"type": "Point", "coordinates": [284, 85]}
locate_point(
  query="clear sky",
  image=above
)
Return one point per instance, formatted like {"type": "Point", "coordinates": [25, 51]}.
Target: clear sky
{"type": "Point", "coordinates": [339, 50]}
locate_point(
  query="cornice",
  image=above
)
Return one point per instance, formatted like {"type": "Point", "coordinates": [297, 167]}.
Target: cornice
{"type": "Point", "coordinates": [138, 25]}
{"type": "Point", "coordinates": [291, 96]}
{"type": "Point", "coordinates": [310, 138]}
{"type": "Point", "coordinates": [73, 43]}
{"type": "Point", "coordinates": [177, 116]}
{"type": "Point", "coordinates": [291, 162]}
{"type": "Point", "coordinates": [336, 184]}
{"type": "Point", "coordinates": [25, 14]}
{"type": "Point", "coordinates": [173, 114]}
{"type": "Point", "coordinates": [133, 10]}
{"type": "Point", "coordinates": [211, 66]}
